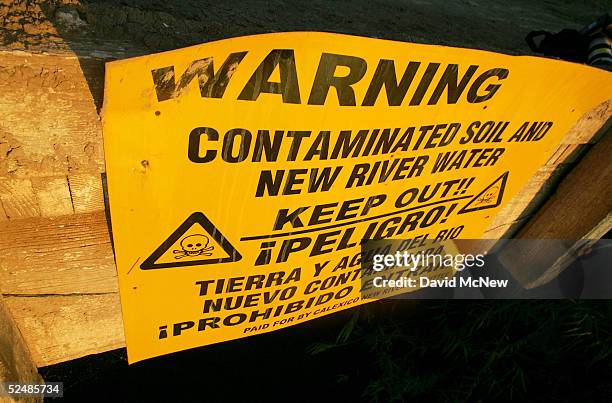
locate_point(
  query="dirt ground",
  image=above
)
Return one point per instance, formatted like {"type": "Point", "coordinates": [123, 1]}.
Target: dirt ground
{"type": "Point", "coordinates": [155, 25]}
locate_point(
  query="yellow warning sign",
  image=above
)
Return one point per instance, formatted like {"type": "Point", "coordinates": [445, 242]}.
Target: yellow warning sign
{"type": "Point", "coordinates": [244, 174]}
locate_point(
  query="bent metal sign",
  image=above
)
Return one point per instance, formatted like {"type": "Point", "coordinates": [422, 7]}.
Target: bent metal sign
{"type": "Point", "coordinates": [244, 173]}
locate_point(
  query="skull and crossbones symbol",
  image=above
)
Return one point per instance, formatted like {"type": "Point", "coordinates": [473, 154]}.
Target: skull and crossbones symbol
{"type": "Point", "coordinates": [488, 196]}
{"type": "Point", "coordinates": [193, 245]}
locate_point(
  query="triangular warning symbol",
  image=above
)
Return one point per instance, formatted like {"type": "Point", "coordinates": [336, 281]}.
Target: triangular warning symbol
{"type": "Point", "coordinates": [490, 197]}
{"type": "Point", "coordinates": [195, 242]}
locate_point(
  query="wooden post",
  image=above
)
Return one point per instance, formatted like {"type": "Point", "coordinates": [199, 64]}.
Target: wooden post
{"type": "Point", "coordinates": [15, 362]}
{"type": "Point", "coordinates": [59, 280]}
{"type": "Point", "coordinates": [579, 212]}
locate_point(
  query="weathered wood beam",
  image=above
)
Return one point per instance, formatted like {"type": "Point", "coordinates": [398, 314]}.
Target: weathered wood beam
{"type": "Point", "coordinates": [65, 327]}
{"type": "Point", "coordinates": [58, 278]}
{"type": "Point", "coordinates": [50, 125]}
{"type": "Point", "coordinates": [517, 212]}
{"type": "Point", "coordinates": [16, 364]}
{"type": "Point", "coordinates": [579, 212]}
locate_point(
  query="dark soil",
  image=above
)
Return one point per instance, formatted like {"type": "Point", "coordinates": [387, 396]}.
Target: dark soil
{"type": "Point", "coordinates": [155, 25]}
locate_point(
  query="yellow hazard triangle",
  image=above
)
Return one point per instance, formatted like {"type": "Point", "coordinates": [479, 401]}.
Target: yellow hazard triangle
{"type": "Point", "coordinates": [195, 242]}
{"type": "Point", "coordinates": [490, 197]}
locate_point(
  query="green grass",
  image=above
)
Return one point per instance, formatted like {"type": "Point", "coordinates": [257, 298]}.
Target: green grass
{"type": "Point", "coordinates": [481, 350]}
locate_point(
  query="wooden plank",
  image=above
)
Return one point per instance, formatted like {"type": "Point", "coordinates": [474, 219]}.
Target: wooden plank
{"type": "Point", "coordinates": [516, 211]}
{"type": "Point", "coordinates": [16, 364]}
{"type": "Point", "coordinates": [59, 280]}
{"type": "Point", "coordinates": [53, 195]}
{"type": "Point", "coordinates": [17, 199]}
{"type": "Point", "coordinates": [579, 210]}
{"type": "Point", "coordinates": [43, 196]}
{"type": "Point", "coordinates": [50, 122]}
{"type": "Point", "coordinates": [65, 255]}
{"type": "Point", "coordinates": [58, 328]}
{"type": "Point", "coordinates": [86, 192]}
